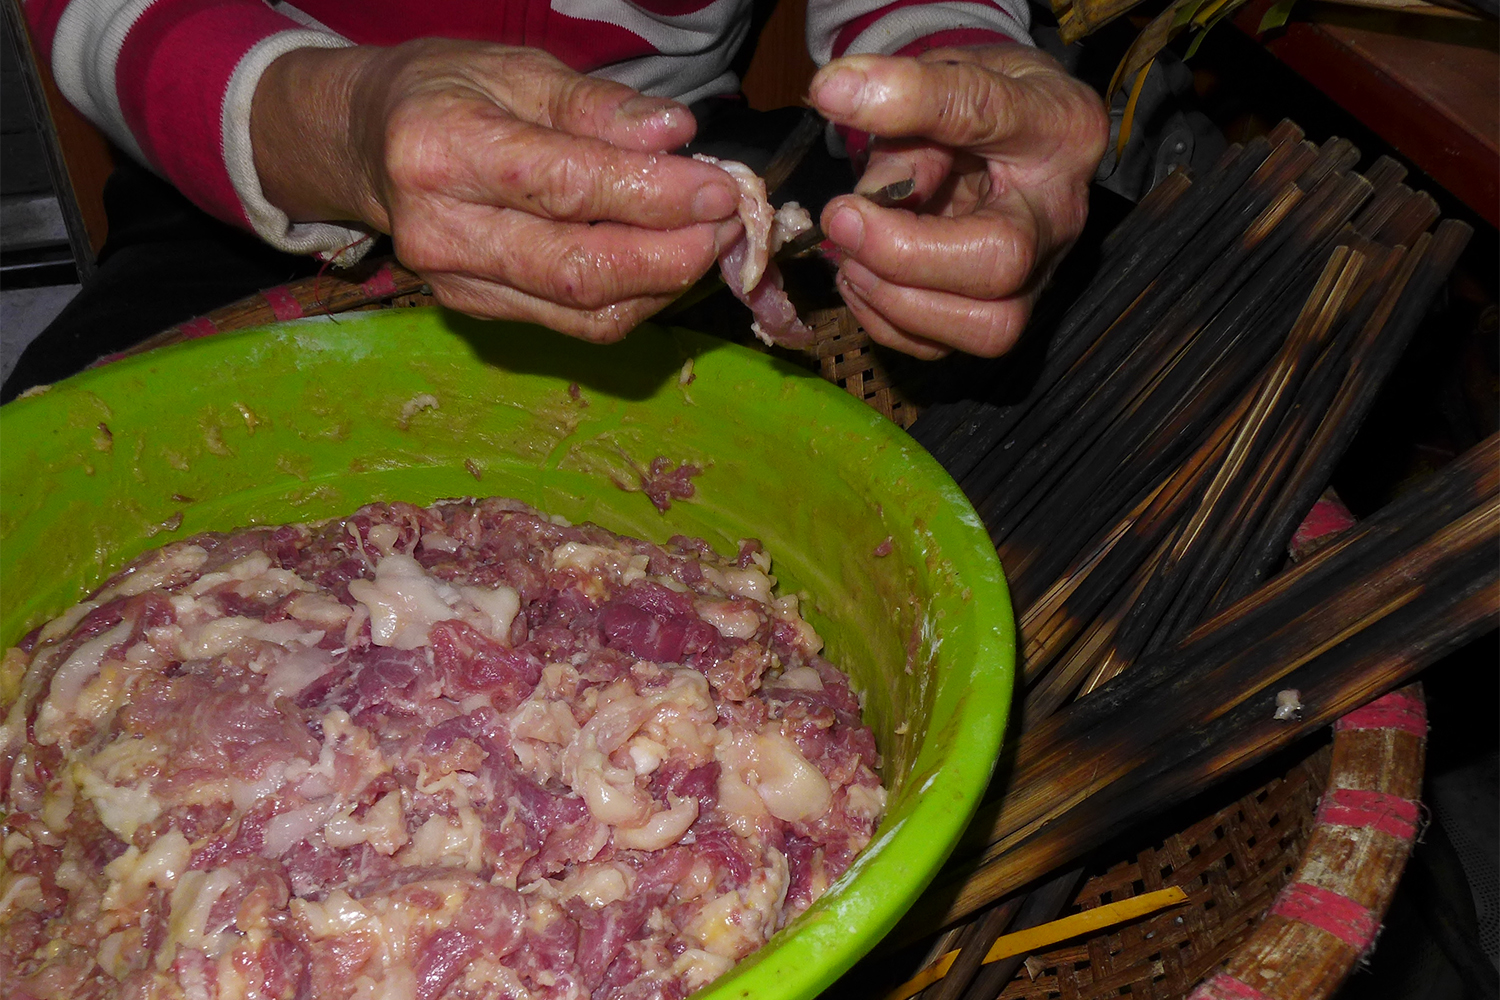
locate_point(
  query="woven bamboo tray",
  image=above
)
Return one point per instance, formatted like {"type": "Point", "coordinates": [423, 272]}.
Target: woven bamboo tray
{"type": "Point", "coordinates": [1287, 886]}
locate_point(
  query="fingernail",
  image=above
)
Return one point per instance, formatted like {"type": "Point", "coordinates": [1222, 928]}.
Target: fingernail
{"type": "Point", "coordinates": [644, 107]}
{"type": "Point", "coordinates": [839, 93]}
{"type": "Point", "coordinates": [859, 277]}
{"type": "Point", "coordinates": [726, 235]}
{"type": "Point", "coordinates": [714, 201]}
{"type": "Point", "coordinates": [847, 229]}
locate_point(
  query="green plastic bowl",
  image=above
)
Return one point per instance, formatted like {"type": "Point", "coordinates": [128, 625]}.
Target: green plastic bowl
{"type": "Point", "coordinates": [309, 420]}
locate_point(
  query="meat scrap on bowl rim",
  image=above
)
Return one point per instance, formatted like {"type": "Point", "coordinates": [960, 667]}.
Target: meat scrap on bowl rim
{"type": "Point", "coordinates": [463, 750]}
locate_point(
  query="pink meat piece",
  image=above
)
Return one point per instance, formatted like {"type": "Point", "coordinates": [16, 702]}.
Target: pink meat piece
{"type": "Point", "coordinates": [443, 960]}
{"type": "Point", "coordinates": [657, 624]}
{"type": "Point", "coordinates": [776, 320]}
{"type": "Point", "coordinates": [472, 663]}
{"type": "Point", "coordinates": [744, 270]}
{"type": "Point", "coordinates": [747, 266]}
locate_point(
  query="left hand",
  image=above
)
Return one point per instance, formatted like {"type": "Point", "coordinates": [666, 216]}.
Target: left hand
{"type": "Point", "coordinates": [1002, 143]}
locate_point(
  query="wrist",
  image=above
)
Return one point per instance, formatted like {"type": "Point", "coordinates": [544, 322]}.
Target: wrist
{"type": "Point", "coordinates": [306, 150]}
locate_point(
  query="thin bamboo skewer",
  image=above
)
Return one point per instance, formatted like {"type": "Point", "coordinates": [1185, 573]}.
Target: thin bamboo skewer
{"type": "Point", "coordinates": [1425, 508]}
{"type": "Point", "coordinates": [1184, 278]}
{"type": "Point", "coordinates": [1302, 595]}
{"type": "Point", "coordinates": [1034, 661]}
{"type": "Point", "coordinates": [1009, 497]}
{"type": "Point", "coordinates": [1103, 579]}
{"type": "Point", "coordinates": [1428, 632]}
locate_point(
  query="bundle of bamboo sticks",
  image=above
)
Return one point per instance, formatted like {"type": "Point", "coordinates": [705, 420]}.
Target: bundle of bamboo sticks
{"type": "Point", "coordinates": [1142, 478]}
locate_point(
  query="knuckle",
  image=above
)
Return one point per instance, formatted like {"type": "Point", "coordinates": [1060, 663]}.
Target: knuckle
{"type": "Point", "coordinates": [579, 280]}
{"type": "Point", "coordinates": [419, 247]}
{"type": "Point", "coordinates": [1012, 257]}
{"type": "Point", "coordinates": [453, 295]}
{"type": "Point", "coordinates": [570, 191]}
{"type": "Point", "coordinates": [998, 328]}
{"type": "Point", "coordinates": [415, 157]}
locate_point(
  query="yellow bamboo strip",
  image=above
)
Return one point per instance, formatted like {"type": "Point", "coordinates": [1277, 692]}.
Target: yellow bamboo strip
{"type": "Point", "coordinates": [1034, 938]}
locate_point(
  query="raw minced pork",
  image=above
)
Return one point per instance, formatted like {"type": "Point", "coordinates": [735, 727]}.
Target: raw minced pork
{"type": "Point", "coordinates": [460, 751]}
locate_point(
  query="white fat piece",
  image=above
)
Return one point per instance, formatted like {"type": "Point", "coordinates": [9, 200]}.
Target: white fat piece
{"type": "Point", "coordinates": [791, 221]}
{"type": "Point", "coordinates": [786, 784]}
{"type": "Point", "coordinates": [404, 602]}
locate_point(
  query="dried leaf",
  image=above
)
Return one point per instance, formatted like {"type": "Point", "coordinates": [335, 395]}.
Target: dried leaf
{"type": "Point", "coordinates": [1212, 11]}
{"type": "Point", "coordinates": [1276, 16]}
{"type": "Point", "coordinates": [1185, 14]}
{"type": "Point", "coordinates": [1224, 10]}
{"type": "Point", "coordinates": [1083, 17]}
{"type": "Point", "coordinates": [1152, 39]}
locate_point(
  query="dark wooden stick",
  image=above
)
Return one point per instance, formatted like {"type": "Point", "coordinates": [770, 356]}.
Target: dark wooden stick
{"type": "Point", "coordinates": [1041, 905]}
{"type": "Point", "coordinates": [1141, 454]}
{"type": "Point", "coordinates": [1125, 362]}
{"type": "Point", "coordinates": [973, 947]}
{"type": "Point", "coordinates": [1286, 622]}
{"type": "Point", "coordinates": [1147, 383]}
{"type": "Point", "coordinates": [1425, 508]}
{"type": "Point", "coordinates": [1181, 602]}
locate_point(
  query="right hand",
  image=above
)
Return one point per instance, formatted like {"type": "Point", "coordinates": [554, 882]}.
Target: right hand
{"type": "Point", "coordinates": [517, 187]}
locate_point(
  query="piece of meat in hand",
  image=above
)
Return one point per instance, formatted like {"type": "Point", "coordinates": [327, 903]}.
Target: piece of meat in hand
{"type": "Point", "coordinates": [747, 266]}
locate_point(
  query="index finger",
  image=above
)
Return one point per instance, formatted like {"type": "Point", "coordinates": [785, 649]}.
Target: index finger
{"type": "Point", "coordinates": [489, 158]}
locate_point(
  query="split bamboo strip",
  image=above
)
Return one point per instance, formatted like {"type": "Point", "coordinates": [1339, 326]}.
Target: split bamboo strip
{"type": "Point", "coordinates": [1180, 291]}
{"type": "Point", "coordinates": [1130, 274]}
{"type": "Point", "coordinates": [1472, 478]}
{"type": "Point", "coordinates": [1032, 938]}
{"type": "Point", "coordinates": [1385, 337]}
{"type": "Point", "coordinates": [1405, 606]}
{"type": "Point", "coordinates": [1187, 390]}
{"type": "Point", "coordinates": [1138, 406]}
{"type": "Point", "coordinates": [1151, 617]}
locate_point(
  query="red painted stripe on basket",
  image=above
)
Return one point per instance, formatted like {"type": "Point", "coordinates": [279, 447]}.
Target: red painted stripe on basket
{"type": "Point", "coordinates": [1223, 986]}
{"type": "Point", "coordinates": [1399, 710]}
{"type": "Point", "coordinates": [381, 283]}
{"type": "Point", "coordinates": [284, 304]}
{"type": "Point", "coordinates": [1327, 516]}
{"type": "Point", "coordinates": [1363, 808]}
{"type": "Point", "coordinates": [1328, 911]}
{"type": "Point", "coordinates": [195, 328]}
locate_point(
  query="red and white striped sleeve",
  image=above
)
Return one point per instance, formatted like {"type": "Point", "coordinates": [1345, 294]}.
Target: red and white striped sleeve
{"type": "Point", "coordinates": [171, 82]}
{"type": "Point", "coordinates": [906, 28]}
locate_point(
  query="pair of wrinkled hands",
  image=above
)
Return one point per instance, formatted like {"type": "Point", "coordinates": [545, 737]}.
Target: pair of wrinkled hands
{"type": "Point", "coordinates": [523, 190]}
